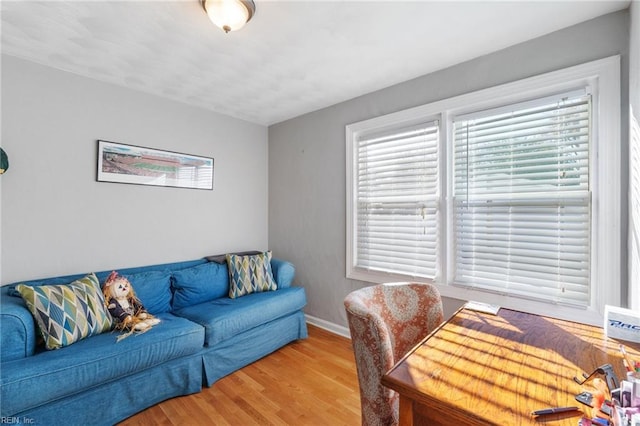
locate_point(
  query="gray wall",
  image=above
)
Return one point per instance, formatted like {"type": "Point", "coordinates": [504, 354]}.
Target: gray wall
{"type": "Point", "coordinates": [634, 120]}
{"type": "Point", "coordinates": [55, 217]}
{"type": "Point", "coordinates": [307, 154]}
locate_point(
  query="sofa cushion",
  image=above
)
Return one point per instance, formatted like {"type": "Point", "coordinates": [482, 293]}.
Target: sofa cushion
{"type": "Point", "coordinates": [250, 274]}
{"type": "Point", "coordinates": [199, 284]}
{"type": "Point", "coordinates": [87, 364]}
{"type": "Point", "coordinates": [224, 318]}
{"type": "Point", "coordinates": [153, 288]}
{"type": "Point", "coordinates": [67, 313]}
{"type": "Point", "coordinates": [102, 275]}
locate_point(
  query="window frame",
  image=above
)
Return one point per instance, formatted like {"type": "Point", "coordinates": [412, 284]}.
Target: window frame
{"type": "Point", "coordinates": [602, 77]}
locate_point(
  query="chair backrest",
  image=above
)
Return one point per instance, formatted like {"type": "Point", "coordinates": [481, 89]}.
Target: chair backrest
{"type": "Point", "coordinates": [386, 321]}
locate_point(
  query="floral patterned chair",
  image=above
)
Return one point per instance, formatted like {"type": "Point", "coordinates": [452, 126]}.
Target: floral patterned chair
{"type": "Point", "coordinates": [386, 321]}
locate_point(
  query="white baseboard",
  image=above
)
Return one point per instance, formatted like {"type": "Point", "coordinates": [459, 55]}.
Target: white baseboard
{"type": "Point", "coordinates": [329, 326]}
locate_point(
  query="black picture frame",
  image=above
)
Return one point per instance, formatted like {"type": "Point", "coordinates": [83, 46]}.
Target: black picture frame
{"type": "Point", "coordinates": [132, 164]}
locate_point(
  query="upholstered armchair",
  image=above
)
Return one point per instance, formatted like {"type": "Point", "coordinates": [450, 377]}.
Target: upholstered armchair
{"type": "Point", "coordinates": [386, 321]}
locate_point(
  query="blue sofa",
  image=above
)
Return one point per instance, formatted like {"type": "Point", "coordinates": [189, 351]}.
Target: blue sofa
{"type": "Point", "coordinates": [203, 335]}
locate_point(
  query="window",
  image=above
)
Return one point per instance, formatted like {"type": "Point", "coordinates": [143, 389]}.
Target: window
{"type": "Point", "coordinates": [522, 199]}
{"type": "Point", "coordinates": [507, 195]}
{"type": "Point", "coordinates": [397, 186]}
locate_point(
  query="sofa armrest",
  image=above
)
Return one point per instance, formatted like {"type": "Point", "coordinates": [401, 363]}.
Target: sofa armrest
{"type": "Point", "coordinates": [17, 329]}
{"type": "Point", "coordinates": [283, 272]}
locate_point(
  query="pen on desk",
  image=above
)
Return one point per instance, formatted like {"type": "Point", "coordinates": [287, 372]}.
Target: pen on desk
{"type": "Point", "coordinates": [627, 361]}
{"type": "Point", "coordinates": [554, 410]}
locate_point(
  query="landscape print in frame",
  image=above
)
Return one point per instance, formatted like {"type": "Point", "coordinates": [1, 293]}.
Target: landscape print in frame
{"type": "Point", "coordinates": [122, 163]}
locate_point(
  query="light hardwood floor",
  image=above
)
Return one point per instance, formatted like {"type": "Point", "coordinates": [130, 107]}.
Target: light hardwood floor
{"type": "Point", "coordinates": [308, 382]}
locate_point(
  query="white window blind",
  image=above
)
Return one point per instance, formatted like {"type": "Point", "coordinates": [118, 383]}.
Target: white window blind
{"type": "Point", "coordinates": [522, 200]}
{"type": "Point", "coordinates": [397, 198]}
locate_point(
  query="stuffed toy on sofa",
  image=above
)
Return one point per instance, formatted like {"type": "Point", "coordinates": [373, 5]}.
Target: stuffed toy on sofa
{"type": "Point", "coordinates": [126, 309]}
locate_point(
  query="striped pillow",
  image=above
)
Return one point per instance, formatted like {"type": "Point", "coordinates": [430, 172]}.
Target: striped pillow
{"type": "Point", "coordinates": [67, 313]}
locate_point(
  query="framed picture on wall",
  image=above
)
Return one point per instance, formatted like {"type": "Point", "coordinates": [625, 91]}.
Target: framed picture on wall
{"type": "Point", "coordinates": [121, 163]}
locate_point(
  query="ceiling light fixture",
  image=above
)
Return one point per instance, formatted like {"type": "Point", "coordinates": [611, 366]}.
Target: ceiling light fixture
{"type": "Point", "coordinates": [230, 15]}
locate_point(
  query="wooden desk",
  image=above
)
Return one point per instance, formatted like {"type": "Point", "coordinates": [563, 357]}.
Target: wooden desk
{"type": "Point", "coordinates": [483, 369]}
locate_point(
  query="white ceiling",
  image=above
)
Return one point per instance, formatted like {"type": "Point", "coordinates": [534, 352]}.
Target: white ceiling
{"type": "Point", "coordinates": [293, 57]}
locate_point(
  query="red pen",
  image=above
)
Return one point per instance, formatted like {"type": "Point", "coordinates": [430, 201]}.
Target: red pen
{"type": "Point", "coordinates": [626, 365]}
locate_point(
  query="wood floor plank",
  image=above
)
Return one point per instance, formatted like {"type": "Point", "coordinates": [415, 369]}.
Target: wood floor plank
{"type": "Point", "coordinates": [307, 382]}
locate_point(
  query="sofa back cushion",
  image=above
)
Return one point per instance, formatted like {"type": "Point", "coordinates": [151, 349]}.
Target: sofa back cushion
{"type": "Point", "coordinates": [153, 288]}
{"type": "Point", "coordinates": [199, 284]}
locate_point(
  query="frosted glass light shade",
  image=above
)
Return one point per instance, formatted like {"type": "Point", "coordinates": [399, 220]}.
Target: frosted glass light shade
{"type": "Point", "coordinates": [229, 15]}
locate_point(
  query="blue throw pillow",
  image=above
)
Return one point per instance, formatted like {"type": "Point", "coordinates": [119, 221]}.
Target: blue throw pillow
{"type": "Point", "coordinates": [199, 284]}
{"type": "Point", "coordinates": [153, 288]}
